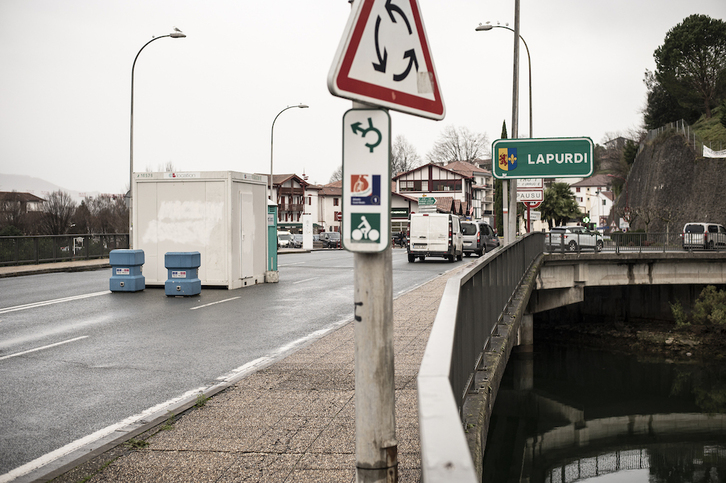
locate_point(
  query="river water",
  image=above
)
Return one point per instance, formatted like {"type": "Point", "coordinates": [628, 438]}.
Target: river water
{"type": "Point", "coordinates": [565, 414]}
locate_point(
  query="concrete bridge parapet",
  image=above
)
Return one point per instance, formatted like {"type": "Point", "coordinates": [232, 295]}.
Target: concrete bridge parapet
{"type": "Point", "coordinates": [563, 277]}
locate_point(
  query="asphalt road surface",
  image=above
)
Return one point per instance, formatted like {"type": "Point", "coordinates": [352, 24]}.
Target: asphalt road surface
{"type": "Point", "coordinates": [76, 359]}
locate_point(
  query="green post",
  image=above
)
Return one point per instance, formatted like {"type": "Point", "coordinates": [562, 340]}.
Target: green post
{"type": "Point", "coordinates": [271, 237]}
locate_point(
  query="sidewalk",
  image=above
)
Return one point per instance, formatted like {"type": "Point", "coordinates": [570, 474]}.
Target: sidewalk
{"type": "Point", "coordinates": [74, 266]}
{"type": "Point", "coordinates": [293, 421]}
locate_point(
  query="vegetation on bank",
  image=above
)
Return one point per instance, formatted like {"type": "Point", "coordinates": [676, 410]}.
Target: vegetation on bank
{"type": "Point", "coordinates": [709, 309]}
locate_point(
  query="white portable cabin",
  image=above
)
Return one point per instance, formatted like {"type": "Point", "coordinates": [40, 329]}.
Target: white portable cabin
{"type": "Point", "coordinates": [221, 215]}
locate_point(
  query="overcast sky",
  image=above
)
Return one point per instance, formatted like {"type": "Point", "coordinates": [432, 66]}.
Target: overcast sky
{"type": "Point", "coordinates": [207, 102]}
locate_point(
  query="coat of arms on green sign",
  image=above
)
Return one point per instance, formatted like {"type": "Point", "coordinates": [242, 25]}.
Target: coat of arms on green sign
{"type": "Point", "coordinates": [542, 158]}
{"type": "Point", "coordinates": [366, 227]}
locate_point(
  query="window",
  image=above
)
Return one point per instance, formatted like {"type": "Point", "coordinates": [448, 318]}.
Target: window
{"type": "Point", "coordinates": [336, 202]}
{"type": "Point", "coordinates": [411, 185]}
{"type": "Point", "coordinates": [446, 185]}
{"type": "Point", "coordinates": [577, 190]}
{"type": "Point", "coordinates": [310, 200]}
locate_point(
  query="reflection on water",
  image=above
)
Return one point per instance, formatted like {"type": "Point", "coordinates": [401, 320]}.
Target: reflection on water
{"type": "Point", "coordinates": [567, 414]}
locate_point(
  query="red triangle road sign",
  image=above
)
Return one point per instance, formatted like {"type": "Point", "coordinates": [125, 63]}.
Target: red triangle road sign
{"type": "Point", "coordinates": [384, 59]}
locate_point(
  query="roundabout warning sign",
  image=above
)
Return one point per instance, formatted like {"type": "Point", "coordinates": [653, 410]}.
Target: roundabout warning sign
{"type": "Point", "coordinates": [384, 59]}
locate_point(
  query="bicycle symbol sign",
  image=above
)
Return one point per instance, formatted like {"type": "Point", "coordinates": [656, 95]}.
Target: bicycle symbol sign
{"type": "Point", "coordinates": [367, 227]}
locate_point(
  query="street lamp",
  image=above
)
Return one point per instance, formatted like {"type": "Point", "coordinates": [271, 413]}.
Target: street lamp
{"type": "Point", "coordinates": [529, 62]}
{"type": "Point", "coordinates": [272, 138]}
{"type": "Point", "coordinates": [176, 34]}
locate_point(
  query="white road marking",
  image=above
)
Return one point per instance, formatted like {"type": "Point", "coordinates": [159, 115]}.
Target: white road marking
{"type": "Point", "coordinates": [52, 302]}
{"type": "Point", "coordinates": [303, 281]}
{"type": "Point", "coordinates": [42, 348]}
{"type": "Point", "coordinates": [79, 443]}
{"type": "Point", "coordinates": [214, 303]}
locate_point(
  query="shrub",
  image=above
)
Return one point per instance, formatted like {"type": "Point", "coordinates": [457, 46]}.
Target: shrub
{"type": "Point", "coordinates": [710, 307]}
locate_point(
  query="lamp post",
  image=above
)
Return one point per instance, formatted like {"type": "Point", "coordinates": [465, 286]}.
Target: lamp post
{"type": "Point", "coordinates": [177, 34]}
{"type": "Point", "coordinates": [272, 139]}
{"type": "Point", "coordinates": [529, 62]}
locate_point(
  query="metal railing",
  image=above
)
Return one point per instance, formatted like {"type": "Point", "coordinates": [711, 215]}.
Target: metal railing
{"type": "Point", "coordinates": [33, 250]}
{"type": "Point", "coordinates": [470, 308]}
{"type": "Point", "coordinates": [632, 242]}
{"type": "Point", "coordinates": [684, 128]}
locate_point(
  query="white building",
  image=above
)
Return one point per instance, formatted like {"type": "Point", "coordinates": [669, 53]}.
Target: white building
{"type": "Point", "coordinates": [594, 197]}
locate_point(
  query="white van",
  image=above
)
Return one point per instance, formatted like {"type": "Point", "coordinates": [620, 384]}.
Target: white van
{"type": "Point", "coordinates": [435, 235]}
{"type": "Point", "coordinates": [284, 239]}
{"type": "Point", "coordinates": [703, 235]}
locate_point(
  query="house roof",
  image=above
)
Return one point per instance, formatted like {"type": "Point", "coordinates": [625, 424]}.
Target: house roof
{"type": "Point", "coordinates": [281, 178]}
{"type": "Point", "coordinates": [597, 180]}
{"type": "Point", "coordinates": [446, 168]}
{"type": "Point", "coordinates": [328, 190]}
{"type": "Point", "coordinates": [19, 196]}
{"type": "Point", "coordinates": [465, 168]}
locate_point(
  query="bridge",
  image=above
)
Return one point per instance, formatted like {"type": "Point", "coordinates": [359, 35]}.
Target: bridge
{"type": "Point", "coordinates": [489, 309]}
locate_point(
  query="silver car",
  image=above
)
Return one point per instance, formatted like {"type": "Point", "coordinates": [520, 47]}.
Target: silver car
{"type": "Point", "coordinates": [479, 237]}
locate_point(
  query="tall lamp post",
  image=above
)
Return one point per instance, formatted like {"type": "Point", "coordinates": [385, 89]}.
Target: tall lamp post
{"type": "Point", "coordinates": [272, 139]}
{"type": "Point", "coordinates": [177, 34]}
{"type": "Point", "coordinates": [529, 62]}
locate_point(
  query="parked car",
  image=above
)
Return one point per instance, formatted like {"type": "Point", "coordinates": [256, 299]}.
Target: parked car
{"type": "Point", "coordinates": [284, 239]}
{"type": "Point", "coordinates": [573, 238]}
{"type": "Point", "coordinates": [703, 235]}
{"type": "Point", "coordinates": [330, 239]}
{"type": "Point", "coordinates": [297, 240]}
{"type": "Point", "coordinates": [435, 235]}
{"type": "Point", "coordinates": [479, 237]}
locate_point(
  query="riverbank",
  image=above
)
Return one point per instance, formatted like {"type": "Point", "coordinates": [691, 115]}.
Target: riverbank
{"type": "Point", "coordinates": [699, 343]}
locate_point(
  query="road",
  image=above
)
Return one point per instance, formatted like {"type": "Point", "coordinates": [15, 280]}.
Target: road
{"type": "Point", "coordinates": [76, 359]}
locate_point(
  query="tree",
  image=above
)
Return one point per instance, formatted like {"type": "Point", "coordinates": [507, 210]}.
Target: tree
{"type": "Point", "coordinates": [663, 107]}
{"type": "Point", "coordinates": [458, 144]}
{"type": "Point", "coordinates": [11, 211]}
{"type": "Point", "coordinates": [499, 192]}
{"type": "Point", "coordinates": [630, 152]}
{"type": "Point", "coordinates": [691, 63]}
{"type": "Point", "coordinates": [108, 214]}
{"type": "Point", "coordinates": [559, 205]}
{"type": "Point", "coordinates": [403, 156]}
{"type": "Point", "coordinates": [57, 213]}
{"type": "Point", "coordinates": [337, 174]}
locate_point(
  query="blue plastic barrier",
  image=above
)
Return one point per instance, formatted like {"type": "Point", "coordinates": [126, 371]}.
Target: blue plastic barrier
{"type": "Point", "coordinates": [126, 270]}
{"type": "Point", "coordinates": [183, 270]}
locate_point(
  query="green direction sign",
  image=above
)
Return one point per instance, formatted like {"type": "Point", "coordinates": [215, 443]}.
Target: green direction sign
{"type": "Point", "coordinates": [542, 158]}
{"type": "Point", "coordinates": [426, 201]}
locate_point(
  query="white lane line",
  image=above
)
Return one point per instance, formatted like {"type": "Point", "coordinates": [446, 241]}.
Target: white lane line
{"type": "Point", "coordinates": [52, 302]}
{"type": "Point", "coordinates": [303, 281]}
{"type": "Point", "coordinates": [214, 303]}
{"type": "Point", "coordinates": [42, 348]}
{"type": "Point", "coordinates": [79, 443]}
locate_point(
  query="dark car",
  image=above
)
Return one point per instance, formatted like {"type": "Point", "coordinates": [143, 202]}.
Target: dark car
{"type": "Point", "coordinates": [297, 240]}
{"type": "Point", "coordinates": [479, 237]}
{"type": "Point", "coordinates": [330, 239]}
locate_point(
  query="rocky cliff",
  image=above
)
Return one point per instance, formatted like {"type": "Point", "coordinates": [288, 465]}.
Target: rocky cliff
{"type": "Point", "coordinates": [670, 184]}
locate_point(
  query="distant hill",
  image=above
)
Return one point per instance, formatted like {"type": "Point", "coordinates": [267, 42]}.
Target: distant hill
{"type": "Point", "coordinates": [38, 187]}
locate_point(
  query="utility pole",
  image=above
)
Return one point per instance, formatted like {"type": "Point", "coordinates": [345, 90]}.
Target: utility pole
{"type": "Point", "coordinates": [512, 227]}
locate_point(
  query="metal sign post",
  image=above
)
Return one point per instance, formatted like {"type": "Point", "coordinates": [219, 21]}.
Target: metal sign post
{"type": "Point", "coordinates": [383, 60]}
{"type": "Point", "coordinates": [367, 233]}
